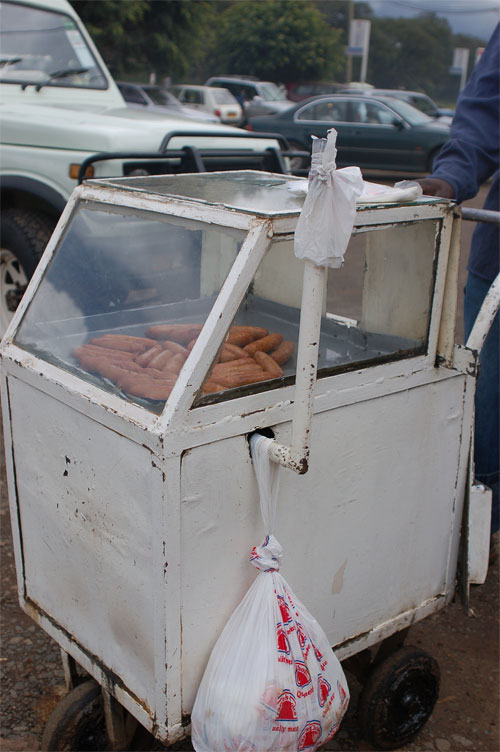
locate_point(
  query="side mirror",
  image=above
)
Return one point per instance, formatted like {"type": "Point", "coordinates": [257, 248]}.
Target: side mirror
{"type": "Point", "coordinates": [399, 124]}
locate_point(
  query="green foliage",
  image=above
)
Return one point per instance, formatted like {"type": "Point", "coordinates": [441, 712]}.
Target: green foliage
{"type": "Point", "coordinates": [279, 40]}
{"type": "Point", "coordinates": [139, 36]}
{"type": "Point", "coordinates": [415, 54]}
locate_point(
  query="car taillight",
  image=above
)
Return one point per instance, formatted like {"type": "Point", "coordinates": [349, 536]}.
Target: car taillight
{"type": "Point", "coordinates": [217, 112]}
{"type": "Point", "coordinates": [248, 127]}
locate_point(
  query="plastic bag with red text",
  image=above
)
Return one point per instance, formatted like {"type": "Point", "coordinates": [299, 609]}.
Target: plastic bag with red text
{"type": "Point", "coordinates": [272, 681]}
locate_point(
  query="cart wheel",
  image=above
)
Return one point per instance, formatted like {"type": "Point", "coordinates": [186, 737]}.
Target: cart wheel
{"type": "Point", "coordinates": [78, 725]}
{"type": "Point", "coordinates": [398, 697]}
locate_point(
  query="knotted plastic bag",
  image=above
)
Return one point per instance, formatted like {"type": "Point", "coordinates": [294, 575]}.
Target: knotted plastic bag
{"type": "Point", "coordinates": [272, 681]}
{"type": "Point", "coordinates": [325, 224]}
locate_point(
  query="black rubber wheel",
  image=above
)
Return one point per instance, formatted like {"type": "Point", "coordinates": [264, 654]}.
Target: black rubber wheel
{"type": "Point", "coordinates": [398, 698]}
{"type": "Point", "coordinates": [23, 237]}
{"type": "Point", "coordinates": [77, 722]}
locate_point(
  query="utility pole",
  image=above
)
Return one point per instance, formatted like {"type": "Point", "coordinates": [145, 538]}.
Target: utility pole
{"type": "Point", "coordinates": [350, 16]}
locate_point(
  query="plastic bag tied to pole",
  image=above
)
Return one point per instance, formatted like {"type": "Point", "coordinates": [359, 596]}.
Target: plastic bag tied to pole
{"type": "Point", "coordinates": [272, 681]}
{"type": "Point", "coordinates": [325, 224]}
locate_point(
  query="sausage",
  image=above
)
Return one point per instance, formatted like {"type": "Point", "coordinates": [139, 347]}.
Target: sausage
{"type": "Point", "coordinates": [181, 333]}
{"type": "Point", "coordinates": [161, 359]}
{"type": "Point", "coordinates": [148, 388]}
{"type": "Point", "coordinates": [123, 342]}
{"type": "Point", "coordinates": [154, 373]}
{"type": "Point", "coordinates": [175, 347]}
{"type": "Point", "coordinates": [268, 364]}
{"type": "Point", "coordinates": [247, 364]}
{"type": "Point", "coordinates": [283, 353]}
{"type": "Point", "coordinates": [265, 344]}
{"type": "Point", "coordinates": [104, 352]}
{"type": "Point", "coordinates": [239, 338]}
{"type": "Point", "coordinates": [240, 379]}
{"type": "Point", "coordinates": [257, 331]}
{"type": "Point", "coordinates": [209, 387]}
{"type": "Point", "coordinates": [145, 358]}
{"type": "Point", "coordinates": [232, 352]}
{"type": "Point", "coordinates": [175, 363]}
{"type": "Point", "coordinates": [92, 362]}
{"type": "Point", "coordinates": [115, 373]}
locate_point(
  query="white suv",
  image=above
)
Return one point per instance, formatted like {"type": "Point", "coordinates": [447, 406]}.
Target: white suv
{"type": "Point", "coordinates": [59, 107]}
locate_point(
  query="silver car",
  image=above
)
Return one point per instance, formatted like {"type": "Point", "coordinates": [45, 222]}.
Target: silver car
{"type": "Point", "coordinates": [155, 99]}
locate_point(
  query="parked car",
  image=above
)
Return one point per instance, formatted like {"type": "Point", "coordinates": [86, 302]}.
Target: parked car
{"type": "Point", "coordinates": [256, 97]}
{"type": "Point", "coordinates": [306, 89]}
{"type": "Point", "coordinates": [421, 101]}
{"type": "Point", "coordinates": [156, 99]}
{"type": "Point", "coordinates": [373, 132]}
{"type": "Point", "coordinates": [219, 102]}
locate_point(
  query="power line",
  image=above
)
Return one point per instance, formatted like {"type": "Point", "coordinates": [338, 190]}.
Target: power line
{"type": "Point", "coordinates": [445, 9]}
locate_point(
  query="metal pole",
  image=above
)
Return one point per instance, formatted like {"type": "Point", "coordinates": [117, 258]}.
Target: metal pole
{"type": "Point", "coordinates": [350, 16]}
{"type": "Point", "coordinates": [364, 60]}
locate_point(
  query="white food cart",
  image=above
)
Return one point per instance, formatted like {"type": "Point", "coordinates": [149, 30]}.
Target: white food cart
{"type": "Point", "coordinates": [123, 500]}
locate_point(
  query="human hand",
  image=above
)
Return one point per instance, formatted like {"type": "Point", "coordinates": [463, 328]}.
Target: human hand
{"type": "Point", "coordinates": [436, 187]}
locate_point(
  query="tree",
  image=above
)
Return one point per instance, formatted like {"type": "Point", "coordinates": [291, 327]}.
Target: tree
{"type": "Point", "coordinates": [410, 53]}
{"type": "Point", "coordinates": [143, 35]}
{"type": "Point", "coordinates": [280, 40]}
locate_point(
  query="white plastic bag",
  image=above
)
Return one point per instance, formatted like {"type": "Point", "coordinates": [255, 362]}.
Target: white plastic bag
{"type": "Point", "coordinates": [272, 681]}
{"type": "Point", "coordinates": [325, 224]}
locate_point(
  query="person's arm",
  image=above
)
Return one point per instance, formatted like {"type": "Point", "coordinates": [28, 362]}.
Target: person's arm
{"type": "Point", "coordinates": [471, 154]}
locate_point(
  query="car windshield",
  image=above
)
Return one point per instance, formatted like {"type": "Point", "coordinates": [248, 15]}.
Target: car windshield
{"type": "Point", "coordinates": [424, 105]}
{"type": "Point", "coordinates": [270, 92]}
{"type": "Point", "coordinates": [407, 111]}
{"type": "Point", "coordinates": [223, 96]}
{"type": "Point", "coordinates": [161, 96]}
{"type": "Point", "coordinates": [46, 49]}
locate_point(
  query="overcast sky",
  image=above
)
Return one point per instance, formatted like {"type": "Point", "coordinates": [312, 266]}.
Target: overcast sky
{"type": "Point", "coordinates": [475, 17]}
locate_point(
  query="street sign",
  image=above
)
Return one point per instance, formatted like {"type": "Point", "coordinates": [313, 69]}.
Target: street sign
{"type": "Point", "coordinates": [359, 41]}
{"type": "Point", "coordinates": [460, 60]}
{"type": "Point", "coordinates": [359, 37]}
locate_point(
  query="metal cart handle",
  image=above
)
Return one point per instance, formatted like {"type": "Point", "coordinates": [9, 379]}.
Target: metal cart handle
{"type": "Point", "coordinates": [485, 317]}
{"type": "Point", "coordinates": [296, 456]}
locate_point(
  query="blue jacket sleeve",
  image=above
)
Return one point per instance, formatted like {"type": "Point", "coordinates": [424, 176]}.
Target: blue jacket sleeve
{"type": "Point", "coordinates": [471, 154]}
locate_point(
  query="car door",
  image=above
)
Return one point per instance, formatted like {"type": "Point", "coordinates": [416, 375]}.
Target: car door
{"type": "Point", "coordinates": [378, 138]}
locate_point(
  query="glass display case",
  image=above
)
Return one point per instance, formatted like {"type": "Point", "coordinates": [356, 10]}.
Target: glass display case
{"type": "Point", "coordinates": [129, 288]}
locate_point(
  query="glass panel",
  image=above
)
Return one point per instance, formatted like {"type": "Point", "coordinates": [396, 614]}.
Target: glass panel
{"type": "Point", "coordinates": [376, 309]}
{"type": "Point", "coordinates": [378, 305]}
{"type": "Point", "coordinates": [264, 334]}
{"type": "Point", "coordinates": [117, 279]}
{"type": "Point", "coordinates": [248, 191]}
{"type": "Point", "coordinates": [43, 47]}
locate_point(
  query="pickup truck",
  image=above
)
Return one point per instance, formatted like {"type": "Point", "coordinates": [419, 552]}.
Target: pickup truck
{"type": "Point", "coordinates": [64, 119]}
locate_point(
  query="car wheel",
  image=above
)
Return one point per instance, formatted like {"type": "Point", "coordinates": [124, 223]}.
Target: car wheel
{"type": "Point", "coordinates": [298, 163]}
{"type": "Point", "coordinates": [24, 237]}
